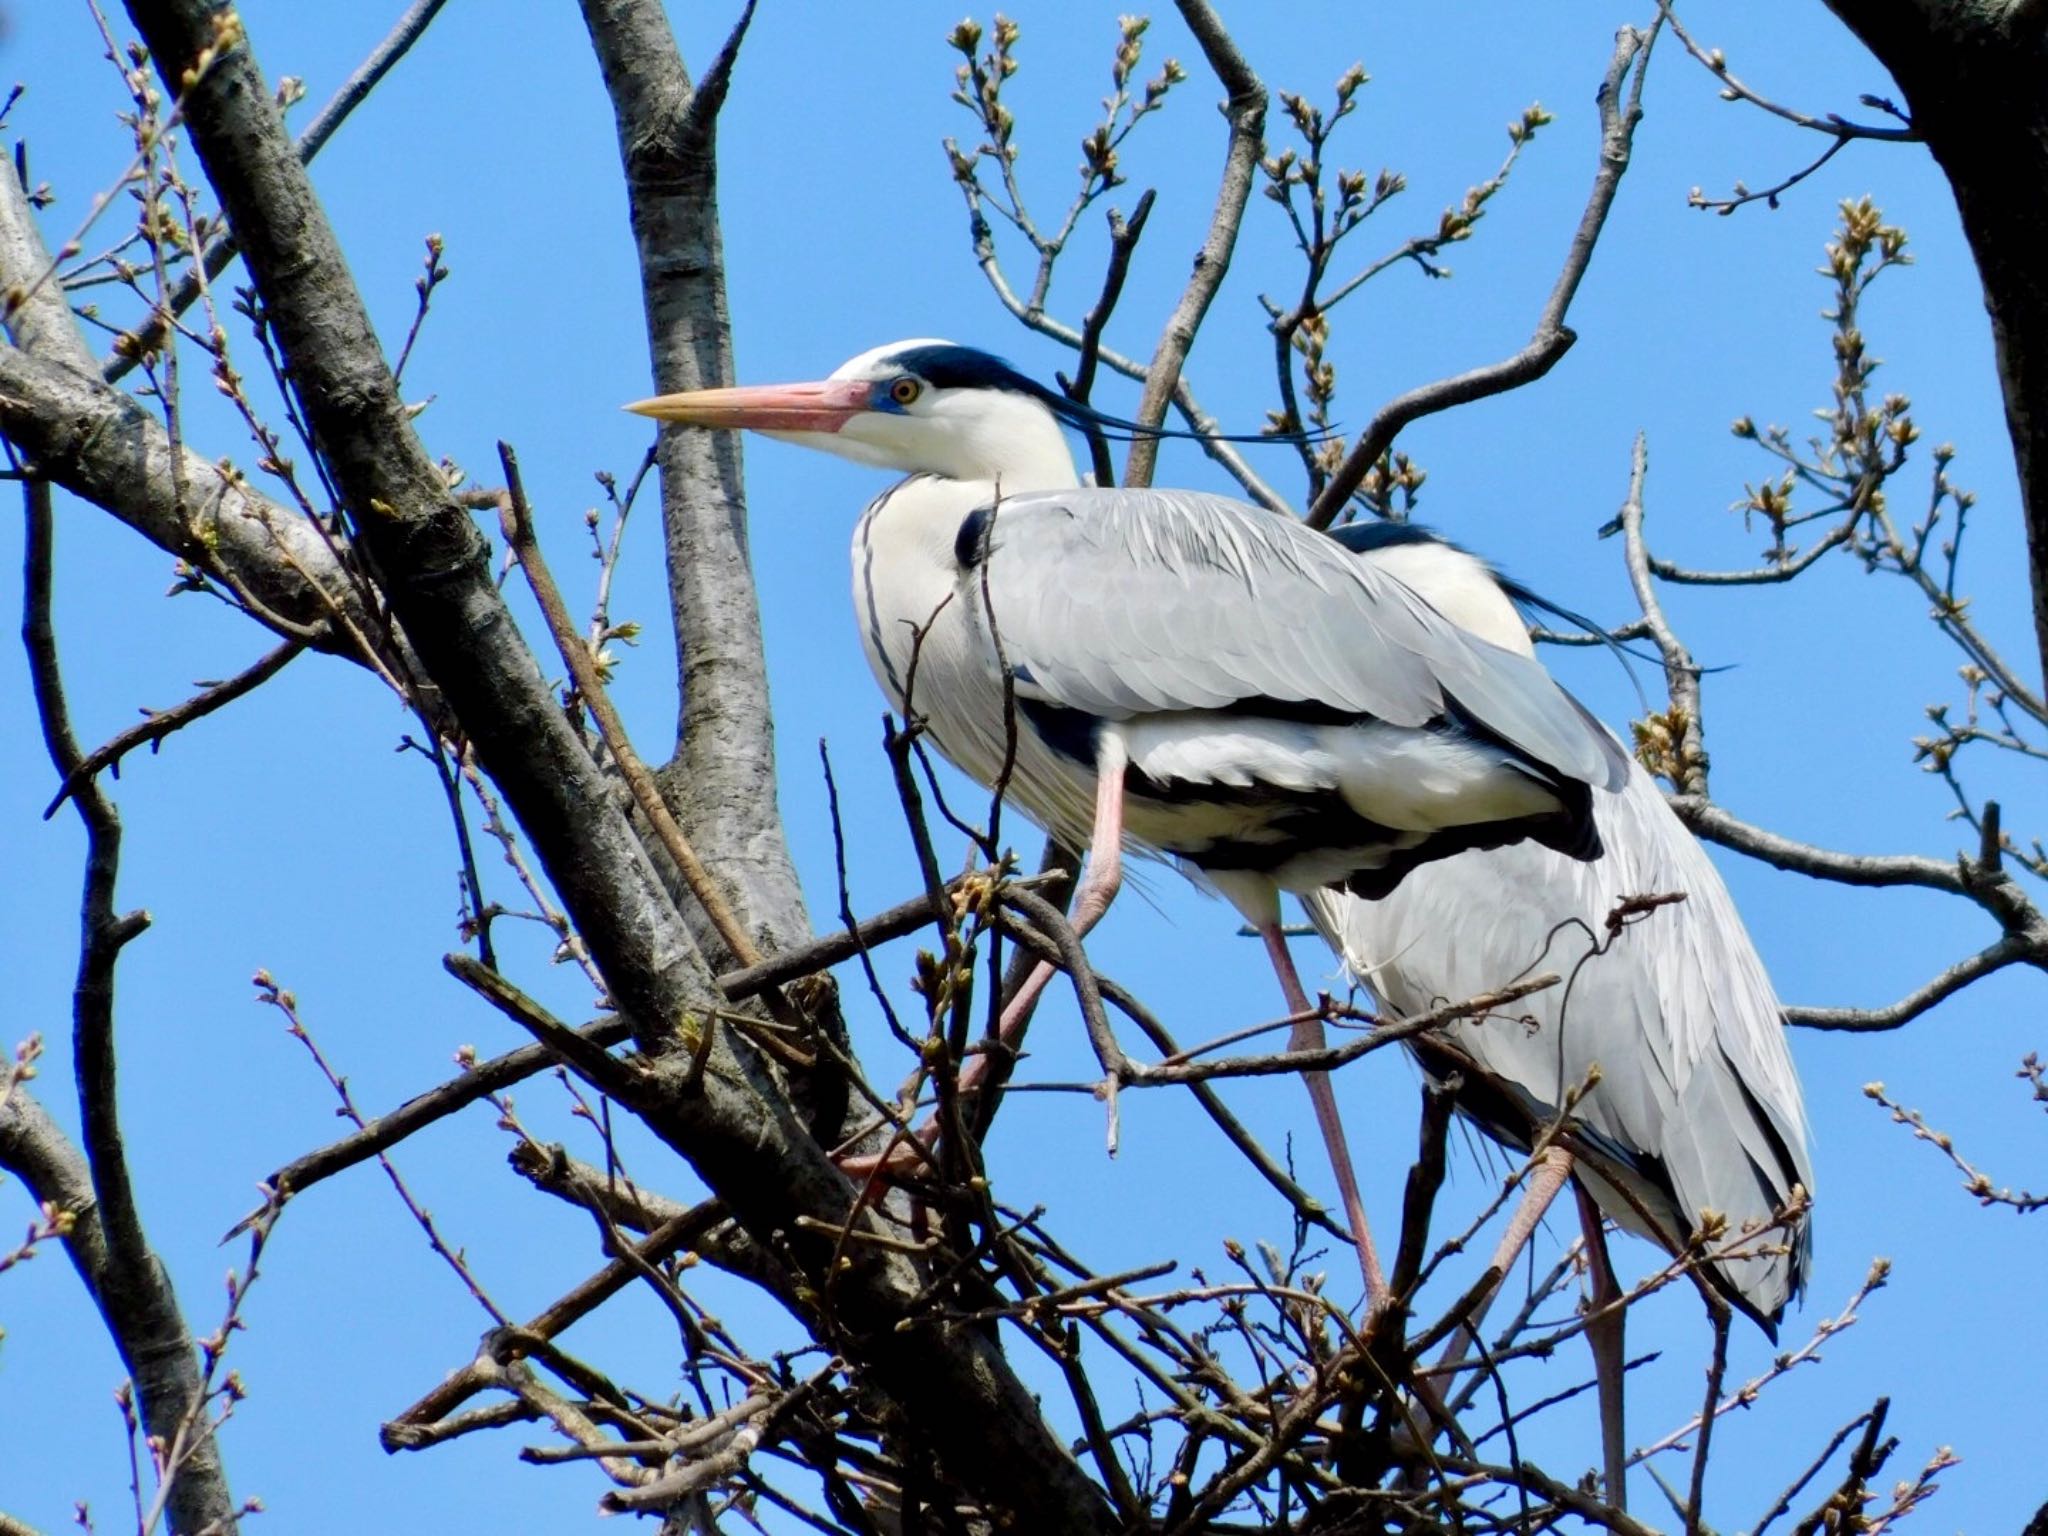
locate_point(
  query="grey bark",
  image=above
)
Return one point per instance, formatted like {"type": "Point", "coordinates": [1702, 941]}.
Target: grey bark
{"type": "Point", "coordinates": [137, 1302]}
{"type": "Point", "coordinates": [99, 444]}
{"type": "Point", "coordinates": [721, 780]}
{"type": "Point", "coordinates": [41, 322]}
{"type": "Point", "coordinates": [1975, 79]}
{"type": "Point", "coordinates": [107, 1242]}
{"type": "Point", "coordinates": [957, 1394]}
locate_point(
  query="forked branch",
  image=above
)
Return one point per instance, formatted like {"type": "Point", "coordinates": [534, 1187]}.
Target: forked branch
{"type": "Point", "coordinates": [1621, 108]}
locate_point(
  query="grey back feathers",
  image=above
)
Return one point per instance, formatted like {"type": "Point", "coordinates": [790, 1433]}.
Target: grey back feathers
{"type": "Point", "coordinates": [1698, 1106]}
{"type": "Point", "coordinates": [1119, 603]}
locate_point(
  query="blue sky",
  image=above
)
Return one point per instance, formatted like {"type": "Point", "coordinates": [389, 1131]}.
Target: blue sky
{"type": "Point", "coordinates": [287, 834]}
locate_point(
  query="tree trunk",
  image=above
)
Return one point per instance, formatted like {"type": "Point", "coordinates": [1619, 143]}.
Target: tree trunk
{"type": "Point", "coordinates": [721, 780]}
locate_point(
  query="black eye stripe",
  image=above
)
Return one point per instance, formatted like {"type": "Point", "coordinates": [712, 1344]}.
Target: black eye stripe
{"type": "Point", "coordinates": [943, 365]}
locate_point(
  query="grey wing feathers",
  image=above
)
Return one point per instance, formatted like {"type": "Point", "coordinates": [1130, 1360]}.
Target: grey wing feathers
{"type": "Point", "coordinates": [1716, 1000]}
{"type": "Point", "coordinates": [1125, 602]}
{"type": "Point", "coordinates": [1679, 1014]}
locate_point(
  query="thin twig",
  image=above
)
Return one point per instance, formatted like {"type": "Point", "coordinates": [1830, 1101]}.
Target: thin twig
{"type": "Point", "coordinates": [1123, 243]}
{"type": "Point", "coordinates": [386, 1131]}
{"type": "Point", "coordinates": [1330, 1058]}
{"type": "Point", "coordinates": [1719, 1312]}
{"type": "Point", "coordinates": [162, 723]}
{"type": "Point", "coordinates": [406, 1431]}
{"type": "Point", "coordinates": [1747, 1394]}
{"type": "Point", "coordinates": [1975, 1180]}
{"type": "Point", "coordinates": [222, 249]}
{"type": "Point", "coordinates": [270, 993]}
{"type": "Point", "coordinates": [128, 1280]}
{"type": "Point", "coordinates": [517, 522]}
{"type": "Point", "coordinates": [1830, 124]}
{"type": "Point", "coordinates": [1792, 1490]}
{"type": "Point", "coordinates": [906, 917]}
{"type": "Point", "coordinates": [1552, 339]}
{"type": "Point", "coordinates": [1245, 111]}
{"type": "Point", "coordinates": [1742, 196]}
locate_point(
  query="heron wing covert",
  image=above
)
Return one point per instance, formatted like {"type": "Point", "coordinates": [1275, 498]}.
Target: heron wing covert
{"type": "Point", "coordinates": [1122, 603]}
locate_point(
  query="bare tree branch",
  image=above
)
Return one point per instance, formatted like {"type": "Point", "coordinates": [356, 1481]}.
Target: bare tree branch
{"type": "Point", "coordinates": [222, 249]}
{"type": "Point", "coordinates": [123, 1273]}
{"type": "Point", "coordinates": [1982, 880]}
{"type": "Point", "coordinates": [437, 1103]}
{"type": "Point", "coordinates": [1123, 242]}
{"type": "Point", "coordinates": [1619, 114]}
{"type": "Point", "coordinates": [551, 1170]}
{"type": "Point", "coordinates": [1841, 129]}
{"type": "Point", "coordinates": [1764, 575]}
{"type": "Point", "coordinates": [905, 917]}
{"type": "Point", "coordinates": [1996, 891]}
{"type": "Point", "coordinates": [719, 779]}
{"type": "Point", "coordinates": [1993, 957]}
{"type": "Point", "coordinates": [409, 1430]}
{"type": "Point", "coordinates": [1245, 111]}
{"type": "Point", "coordinates": [162, 722]}
{"type": "Point", "coordinates": [729, 1118]}
{"type": "Point", "coordinates": [1685, 754]}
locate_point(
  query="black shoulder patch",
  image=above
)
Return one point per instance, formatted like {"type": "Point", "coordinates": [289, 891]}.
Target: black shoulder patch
{"type": "Point", "coordinates": [1368, 534]}
{"type": "Point", "coordinates": [1073, 733]}
{"type": "Point", "coordinates": [970, 544]}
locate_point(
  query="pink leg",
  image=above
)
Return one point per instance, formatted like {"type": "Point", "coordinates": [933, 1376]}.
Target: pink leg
{"type": "Point", "coordinates": [1547, 1178]}
{"type": "Point", "coordinates": [1308, 1036]}
{"type": "Point", "coordinates": [1100, 881]}
{"type": "Point", "coordinates": [1551, 1171]}
{"type": "Point", "coordinates": [1610, 1355]}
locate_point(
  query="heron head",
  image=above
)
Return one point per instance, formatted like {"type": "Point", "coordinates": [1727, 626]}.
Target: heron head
{"type": "Point", "coordinates": [920, 406]}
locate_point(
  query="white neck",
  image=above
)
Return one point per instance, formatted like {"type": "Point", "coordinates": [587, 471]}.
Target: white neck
{"type": "Point", "coordinates": [1011, 440]}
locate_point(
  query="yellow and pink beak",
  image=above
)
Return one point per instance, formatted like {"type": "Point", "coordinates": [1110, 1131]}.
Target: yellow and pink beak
{"type": "Point", "coordinates": [822, 407]}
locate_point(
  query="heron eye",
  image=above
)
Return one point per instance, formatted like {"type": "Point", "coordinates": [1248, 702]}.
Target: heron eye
{"type": "Point", "coordinates": [905, 390]}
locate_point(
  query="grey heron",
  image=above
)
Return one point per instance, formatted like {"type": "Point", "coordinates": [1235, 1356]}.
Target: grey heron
{"type": "Point", "coordinates": [1192, 675]}
{"type": "Point", "coordinates": [1698, 1106]}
